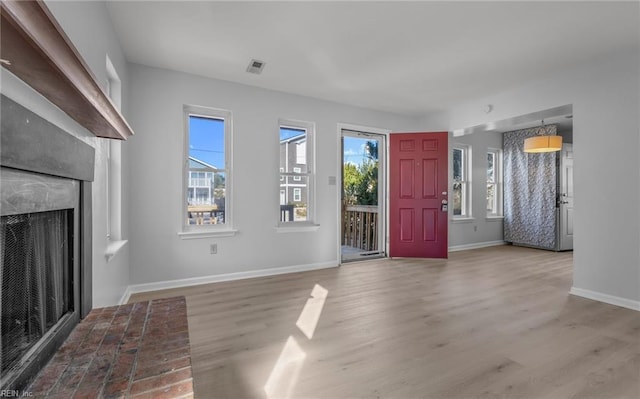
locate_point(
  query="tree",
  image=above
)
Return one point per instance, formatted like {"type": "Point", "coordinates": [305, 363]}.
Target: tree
{"type": "Point", "coordinates": [367, 187]}
{"type": "Point", "coordinates": [350, 180]}
{"type": "Point", "coordinates": [360, 182]}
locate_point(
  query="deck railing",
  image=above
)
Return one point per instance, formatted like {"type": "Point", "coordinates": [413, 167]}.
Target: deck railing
{"type": "Point", "coordinates": [360, 226]}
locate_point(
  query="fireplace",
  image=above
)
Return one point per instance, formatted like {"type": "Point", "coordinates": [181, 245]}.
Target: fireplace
{"type": "Point", "coordinates": [45, 240]}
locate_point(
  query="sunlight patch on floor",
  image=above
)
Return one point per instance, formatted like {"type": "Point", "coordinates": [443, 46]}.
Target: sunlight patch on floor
{"type": "Point", "coordinates": [285, 373]}
{"type": "Point", "coordinates": [310, 315]}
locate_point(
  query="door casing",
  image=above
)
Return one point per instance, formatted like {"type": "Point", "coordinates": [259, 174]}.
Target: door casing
{"type": "Point", "coordinates": [383, 192]}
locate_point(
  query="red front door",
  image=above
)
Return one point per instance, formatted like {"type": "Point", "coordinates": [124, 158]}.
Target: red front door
{"type": "Point", "coordinates": [418, 181]}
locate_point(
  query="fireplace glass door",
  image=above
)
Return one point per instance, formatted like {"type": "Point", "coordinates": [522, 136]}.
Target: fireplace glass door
{"type": "Point", "coordinates": [36, 254]}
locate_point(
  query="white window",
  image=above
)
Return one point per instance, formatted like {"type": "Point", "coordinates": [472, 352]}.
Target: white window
{"type": "Point", "coordinates": [461, 201]}
{"type": "Point", "coordinates": [297, 194]}
{"type": "Point", "coordinates": [114, 170]}
{"type": "Point", "coordinates": [494, 182]}
{"type": "Point", "coordinates": [207, 175]}
{"type": "Point", "coordinates": [297, 175]}
{"type": "Point", "coordinates": [114, 161]}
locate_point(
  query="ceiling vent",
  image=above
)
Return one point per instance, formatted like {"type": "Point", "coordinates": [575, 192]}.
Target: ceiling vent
{"type": "Point", "coordinates": [256, 66]}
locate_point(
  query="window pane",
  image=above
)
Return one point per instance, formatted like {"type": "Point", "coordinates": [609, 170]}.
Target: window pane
{"type": "Point", "coordinates": [296, 171]}
{"type": "Point", "coordinates": [294, 198]}
{"type": "Point", "coordinates": [457, 164]}
{"type": "Point", "coordinates": [292, 149]}
{"type": "Point", "coordinates": [491, 198]}
{"type": "Point", "coordinates": [206, 141]}
{"type": "Point", "coordinates": [206, 190]}
{"type": "Point", "coordinates": [457, 199]}
{"type": "Point", "coordinates": [491, 167]}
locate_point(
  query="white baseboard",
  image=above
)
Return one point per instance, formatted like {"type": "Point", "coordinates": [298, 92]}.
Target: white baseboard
{"type": "Point", "coordinates": [475, 245]}
{"type": "Point", "coordinates": [610, 299]}
{"type": "Point", "coordinates": [186, 282]}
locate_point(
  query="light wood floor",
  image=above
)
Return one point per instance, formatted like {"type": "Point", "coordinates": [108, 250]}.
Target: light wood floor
{"type": "Point", "coordinates": [488, 323]}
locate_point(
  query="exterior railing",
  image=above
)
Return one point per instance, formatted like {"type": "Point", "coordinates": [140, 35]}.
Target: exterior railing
{"type": "Point", "coordinates": [286, 213]}
{"type": "Point", "coordinates": [360, 226]}
{"type": "Point", "coordinates": [210, 214]}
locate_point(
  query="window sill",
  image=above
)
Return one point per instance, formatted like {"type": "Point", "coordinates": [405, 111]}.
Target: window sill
{"type": "Point", "coordinates": [463, 220]}
{"type": "Point", "coordinates": [113, 248]}
{"type": "Point", "coordinates": [194, 235]}
{"type": "Point", "coordinates": [494, 218]}
{"type": "Point", "coordinates": [297, 228]}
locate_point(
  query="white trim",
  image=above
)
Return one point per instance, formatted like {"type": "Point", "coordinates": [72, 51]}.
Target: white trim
{"type": "Point", "coordinates": [462, 219]}
{"type": "Point", "coordinates": [113, 247]}
{"type": "Point", "coordinates": [498, 172]}
{"type": "Point", "coordinates": [125, 296]}
{"type": "Point", "coordinates": [467, 182]}
{"type": "Point", "coordinates": [296, 227]}
{"type": "Point", "coordinates": [187, 282]}
{"type": "Point", "coordinates": [362, 129]}
{"type": "Point", "coordinates": [383, 190]}
{"type": "Point", "coordinates": [606, 298]}
{"type": "Point", "coordinates": [310, 147]}
{"type": "Point", "coordinates": [227, 117]}
{"type": "Point", "coordinates": [191, 235]}
{"type": "Point", "coordinates": [475, 245]}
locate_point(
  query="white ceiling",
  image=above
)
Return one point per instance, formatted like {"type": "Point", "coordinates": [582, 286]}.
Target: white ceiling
{"type": "Point", "coordinates": [408, 57]}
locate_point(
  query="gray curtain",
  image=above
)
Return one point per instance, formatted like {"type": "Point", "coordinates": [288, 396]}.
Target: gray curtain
{"type": "Point", "coordinates": [529, 191]}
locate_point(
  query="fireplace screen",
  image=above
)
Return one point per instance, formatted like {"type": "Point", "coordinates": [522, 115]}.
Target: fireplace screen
{"type": "Point", "coordinates": [37, 265]}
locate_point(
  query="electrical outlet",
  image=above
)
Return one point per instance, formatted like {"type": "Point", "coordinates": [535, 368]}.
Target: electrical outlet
{"type": "Point", "coordinates": [213, 249]}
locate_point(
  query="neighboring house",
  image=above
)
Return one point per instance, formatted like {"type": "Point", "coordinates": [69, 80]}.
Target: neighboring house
{"type": "Point", "coordinates": [293, 189]}
{"type": "Point", "coordinates": [201, 189]}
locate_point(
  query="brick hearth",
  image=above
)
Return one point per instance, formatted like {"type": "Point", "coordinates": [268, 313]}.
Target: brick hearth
{"type": "Point", "coordinates": [139, 350]}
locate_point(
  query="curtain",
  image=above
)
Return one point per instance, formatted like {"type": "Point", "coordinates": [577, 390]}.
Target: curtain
{"type": "Point", "coordinates": [529, 191]}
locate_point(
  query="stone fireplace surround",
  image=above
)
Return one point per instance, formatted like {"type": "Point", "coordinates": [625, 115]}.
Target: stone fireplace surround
{"type": "Point", "coordinates": [34, 150]}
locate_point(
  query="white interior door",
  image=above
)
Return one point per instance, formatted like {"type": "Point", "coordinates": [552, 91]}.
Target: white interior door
{"type": "Point", "coordinates": [566, 198]}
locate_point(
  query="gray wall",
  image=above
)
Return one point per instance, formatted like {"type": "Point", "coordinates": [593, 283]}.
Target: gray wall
{"type": "Point", "coordinates": [604, 94]}
{"type": "Point", "coordinates": [158, 253]}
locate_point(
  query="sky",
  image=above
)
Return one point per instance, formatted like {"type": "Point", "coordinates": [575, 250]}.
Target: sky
{"type": "Point", "coordinates": [354, 150]}
{"type": "Point", "coordinates": [206, 140]}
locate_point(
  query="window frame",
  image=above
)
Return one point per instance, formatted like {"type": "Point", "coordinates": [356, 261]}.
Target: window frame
{"type": "Point", "coordinates": [208, 230]}
{"type": "Point", "coordinates": [498, 182]}
{"type": "Point", "coordinates": [113, 170]}
{"type": "Point", "coordinates": [466, 182]}
{"type": "Point", "coordinates": [310, 174]}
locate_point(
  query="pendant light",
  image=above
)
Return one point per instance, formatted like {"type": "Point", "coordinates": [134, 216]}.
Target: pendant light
{"type": "Point", "coordinates": [544, 143]}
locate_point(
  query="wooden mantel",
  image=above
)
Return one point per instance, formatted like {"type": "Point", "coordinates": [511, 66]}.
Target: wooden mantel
{"type": "Point", "coordinates": [35, 48]}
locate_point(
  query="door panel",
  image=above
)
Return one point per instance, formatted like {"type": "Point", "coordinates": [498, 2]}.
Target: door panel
{"type": "Point", "coordinates": [429, 185]}
{"type": "Point", "coordinates": [407, 218]}
{"type": "Point", "coordinates": [407, 178]}
{"type": "Point", "coordinates": [418, 182]}
{"type": "Point", "coordinates": [430, 224]}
